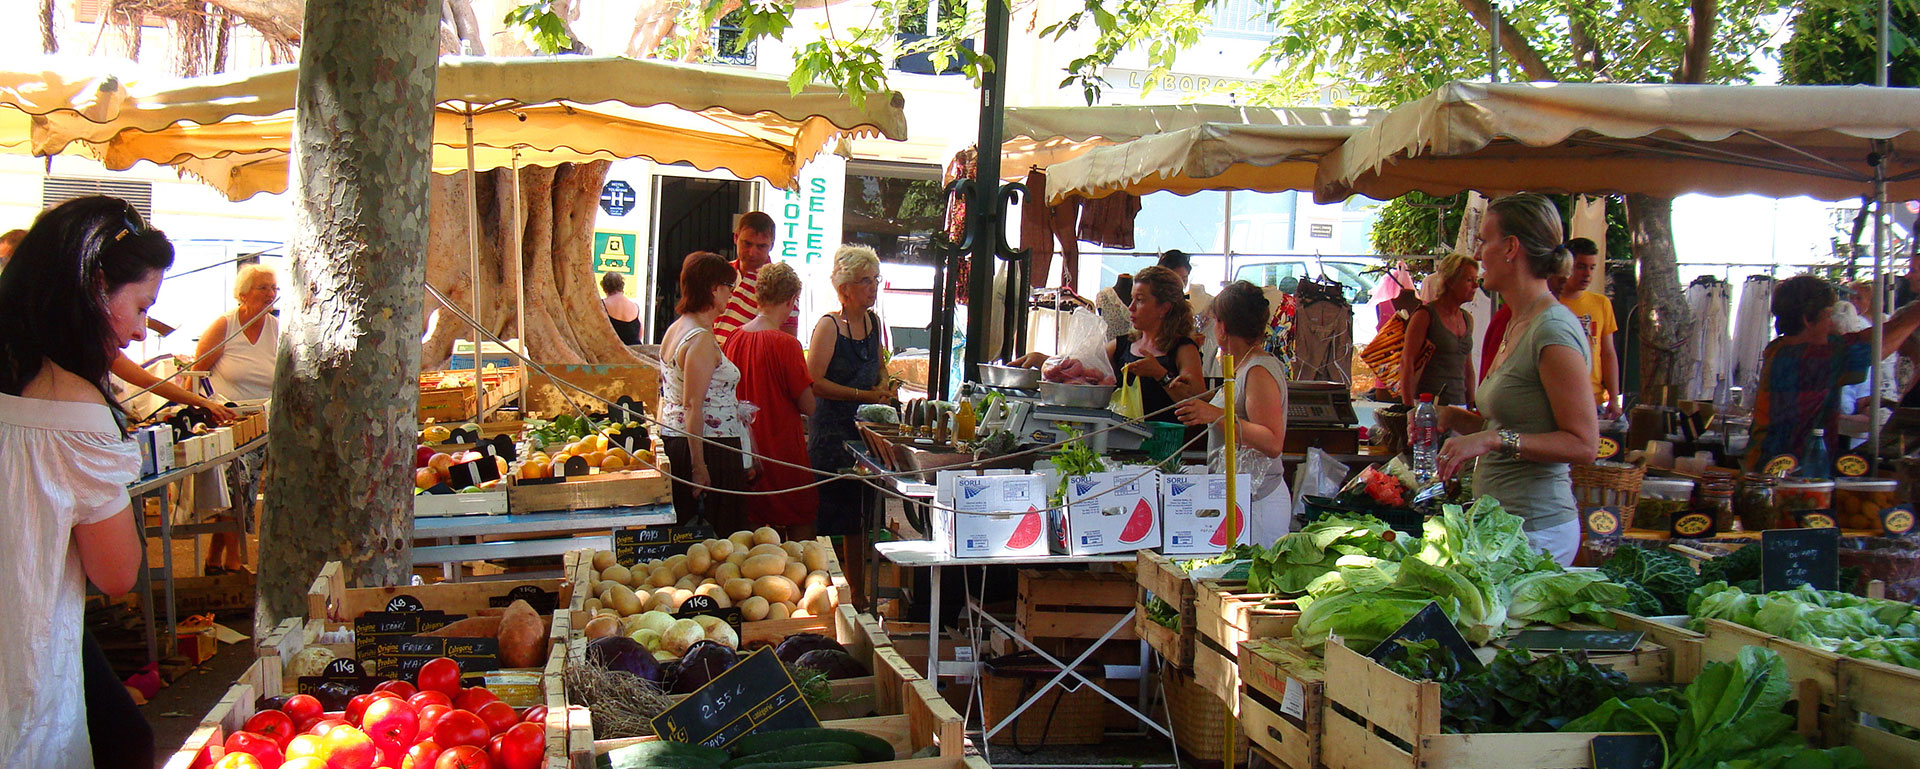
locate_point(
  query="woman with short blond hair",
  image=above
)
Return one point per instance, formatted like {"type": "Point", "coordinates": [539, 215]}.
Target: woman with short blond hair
{"type": "Point", "coordinates": [847, 360]}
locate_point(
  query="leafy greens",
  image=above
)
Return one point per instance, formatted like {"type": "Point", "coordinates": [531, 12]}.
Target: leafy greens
{"type": "Point", "coordinates": [1516, 692]}
{"type": "Point", "coordinates": [1666, 575]}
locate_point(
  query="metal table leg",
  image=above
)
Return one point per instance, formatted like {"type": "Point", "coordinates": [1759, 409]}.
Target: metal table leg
{"type": "Point", "coordinates": [166, 561]}
{"type": "Point", "coordinates": [144, 585]}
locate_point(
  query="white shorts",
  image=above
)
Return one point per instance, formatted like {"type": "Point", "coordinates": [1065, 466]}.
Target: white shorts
{"type": "Point", "coordinates": [1561, 543]}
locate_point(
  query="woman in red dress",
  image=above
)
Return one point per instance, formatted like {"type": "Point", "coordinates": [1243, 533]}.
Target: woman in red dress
{"type": "Point", "coordinates": [774, 378]}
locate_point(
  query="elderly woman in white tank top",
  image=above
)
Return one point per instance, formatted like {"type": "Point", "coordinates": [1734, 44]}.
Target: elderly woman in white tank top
{"type": "Point", "coordinates": [241, 369]}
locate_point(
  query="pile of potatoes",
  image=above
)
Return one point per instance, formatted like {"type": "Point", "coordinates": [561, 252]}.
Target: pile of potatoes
{"type": "Point", "coordinates": [753, 570]}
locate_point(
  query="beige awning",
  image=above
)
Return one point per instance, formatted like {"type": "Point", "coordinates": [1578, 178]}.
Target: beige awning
{"type": "Point", "coordinates": [1045, 136]}
{"type": "Point", "coordinates": [1663, 140]}
{"type": "Point", "coordinates": [233, 132]}
{"type": "Point", "coordinates": [32, 87]}
{"type": "Point", "coordinates": [1210, 156]}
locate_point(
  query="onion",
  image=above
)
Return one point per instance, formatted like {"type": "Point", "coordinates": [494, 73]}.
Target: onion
{"type": "Point", "coordinates": [682, 634]}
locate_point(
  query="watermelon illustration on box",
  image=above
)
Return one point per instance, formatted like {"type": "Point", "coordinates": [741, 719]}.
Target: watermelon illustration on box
{"type": "Point", "coordinates": [1193, 516]}
{"type": "Point", "coordinates": [1111, 512]}
{"type": "Point", "coordinates": [999, 515]}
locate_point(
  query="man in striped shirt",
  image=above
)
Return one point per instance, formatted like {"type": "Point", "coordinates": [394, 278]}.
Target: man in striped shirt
{"type": "Point", "coordinates": [752, 249]}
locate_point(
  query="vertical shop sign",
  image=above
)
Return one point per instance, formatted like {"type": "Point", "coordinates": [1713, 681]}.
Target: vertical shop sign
{"type": "Point", "coordinates": [807, 221]}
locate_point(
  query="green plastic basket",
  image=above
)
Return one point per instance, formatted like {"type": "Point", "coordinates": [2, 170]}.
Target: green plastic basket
{"type": "Point", "coordinates": [1166, 441]}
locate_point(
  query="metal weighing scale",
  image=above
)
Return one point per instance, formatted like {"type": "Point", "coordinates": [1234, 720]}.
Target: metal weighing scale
{"type": "Point", "coordinates": [1320, 414]}
{"type": "Point", "coordinates": [1038, 423]}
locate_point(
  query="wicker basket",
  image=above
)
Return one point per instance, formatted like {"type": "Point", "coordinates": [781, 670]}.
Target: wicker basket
{"type": "Point", "coordinates": [1199, 717]}
{"type": "Point", "coordinates": [1609, 484]}
{"type": "Point", "coordinates": [1059, 717]}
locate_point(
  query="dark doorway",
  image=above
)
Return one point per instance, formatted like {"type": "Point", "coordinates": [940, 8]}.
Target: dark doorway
{"type": "Point", "coordinates": [691, 215]}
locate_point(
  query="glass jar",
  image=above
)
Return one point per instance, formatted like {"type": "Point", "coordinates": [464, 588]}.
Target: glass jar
{"type": "Point", "coordinates": [1713, 497]}
{"type": "Point", "coordinates": [1857, 502]}
{"type": "Point", "coordinates": [1792, 496]}
{"type": "Point", "coordinates": [1660, 500]}
{"type": "Point", "coordinates": [1754, 504]}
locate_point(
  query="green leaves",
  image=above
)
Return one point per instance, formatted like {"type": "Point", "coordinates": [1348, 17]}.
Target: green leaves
{"type": "Point", "coordinates": [1517, 692]}
{"type": "Point", "coordinates": [542, 28]}
{"type": "Point", "coordinates": [1664, 574]}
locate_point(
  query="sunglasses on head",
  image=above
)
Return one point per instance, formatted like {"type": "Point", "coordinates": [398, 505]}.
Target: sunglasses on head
{"type": "Point", "coordinates": [131, 223]}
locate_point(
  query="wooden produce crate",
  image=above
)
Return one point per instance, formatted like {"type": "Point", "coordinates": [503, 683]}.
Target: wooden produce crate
{"type": "Point", "coordinates": [752, 634]}
{"type": "Point", "coordinates": [330, 599]}
{"type": "Point", "coordinates": [1055, 603]}
{"type": "Point", "coordinates": [1869, 688]}
{"type": "Point", "coordinates": [491, 502]}
{"type": "Point", "coordinates": [1158, 577]}
{"type": "Point", "coordinates": [927, 721]}
{"type": "Point", "coordinates": [1814, 673]}
{"type": "Point", "coordinates": [1376, 719]}
{"type": "Point", "coordinates": [623, 488]}
{"type": "Point", "coordinates": [1649, 662]}
{"type": "Point", "coordinates": [1683, 645]}
{"type": "Point", "coordinates": [457, 404]}
{"type": "Point", "coordinates": [1227, 616]}
{"type": "Point", "coordinates": [206, 595]}
{"type": "Point", "coordinates": [1282, 701]}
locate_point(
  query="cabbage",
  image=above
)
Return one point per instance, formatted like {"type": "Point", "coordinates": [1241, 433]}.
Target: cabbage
{"type": "Point", "coordinates": [832, 663]}
{"type": "Point", "coordinates": [703, 661]}
{"type": "Point", "coordinates": [623, 654]}
{"type": "Point", "coordinates": [789, 650]}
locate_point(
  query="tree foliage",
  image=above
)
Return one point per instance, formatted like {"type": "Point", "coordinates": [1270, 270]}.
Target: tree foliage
{"type": "Point", "coordinates": [1834, 43]}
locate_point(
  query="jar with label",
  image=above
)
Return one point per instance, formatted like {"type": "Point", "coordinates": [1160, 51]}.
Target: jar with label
{"type": "Point", "coordinates": [1858, 501]}
{"type": "Point", "coordinates": [1661, 500]}
{"type": "Point", "coordinates": [1754, 504]}
{"type": "Point", "coordinates": [1713, 498]}
{"type": "Point", "coordinates": [1793, 497]}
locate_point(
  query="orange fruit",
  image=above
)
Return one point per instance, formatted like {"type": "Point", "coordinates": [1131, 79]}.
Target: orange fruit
{"type": "Point", "coordinates": [594, 459]}
{"type": "Point", "coordinates": [536, 469]}
{"type": "Point", "coordinates": [613, 462]}
{"type": "Point", "coordinates": [425, 478]}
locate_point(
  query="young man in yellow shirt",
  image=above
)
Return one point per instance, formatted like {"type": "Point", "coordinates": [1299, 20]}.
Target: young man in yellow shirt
{"type": "Point", "coordinates": [1595, 312]}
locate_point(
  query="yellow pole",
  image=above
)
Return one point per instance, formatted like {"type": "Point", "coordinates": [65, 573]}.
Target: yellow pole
{"type": "Point", "coordinates": [1233, 537]}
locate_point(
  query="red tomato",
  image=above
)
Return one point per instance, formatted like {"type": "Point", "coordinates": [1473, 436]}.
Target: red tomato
{"type": "Point", "coordinates": [461, 728]}
{"type": "Point", "coordinates": [498, 715]}
{"type": "Point", "coordinates": [522, 746]}
{"type": "Point", "coordinates": [391, 694]}
{"type": "Point", "coordinates": [423, 699]}
{"type": "Point", "coordinates": [304, 746]}
{"type": "Point", "coordinates": [357, 708]}
{"type": "Point", "coordinates": [302, 707]}
{"type": "Point", "coordinates": [440, 675]}
{"type": "Point", "coordinates": [238, 761]}
{"type": "Point", "coordinates": [462, 757]}
{"type": "Point", "coordinates": [493, 752]}
{"type": "Point", "coordinates": [347, 748]}
{"type": "Point", "coordinates": [421, 755]}
{"type": "Point", "coordinates": [259, 746]}
{"type": "Point", "coordinates": [321, 727]}
{"type": "Point", "coordinates": [307, 762]}
{"type": "Point", "coordinates": [429, 717]}
{"type": "Point", "coordinates": [391, 723]}
{"type": "Point", "coordinates": [535, 715]}
{"type": "Point", "coordinates": [274, 725]}
{"type": "Point", "coordinates": [400, 689]}
{"type": "Point", "coordinates": [473, 698]}
{"type": "Point", "coordinates": [386, 759]}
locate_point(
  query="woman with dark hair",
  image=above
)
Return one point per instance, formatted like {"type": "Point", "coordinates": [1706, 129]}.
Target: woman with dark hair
{"type": "Point", "coordinates": [1240, 315]}
{"type": "Point", "coordinates": [621, 311]}
{"type": "Point", "coordinates": [1161, 351]}
{"type": "Point", "coordinates": [1537, 400]}
{"type": "Point", "coordinates": [698, 397]}
{"type": "Point", "coordinates": [76, 292]}
{"type": "Point", "coordinates": [1802, 372]}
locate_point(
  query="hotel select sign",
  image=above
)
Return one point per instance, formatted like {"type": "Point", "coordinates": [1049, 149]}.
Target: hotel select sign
{"type": "Point", "coordinates": [807, 217]}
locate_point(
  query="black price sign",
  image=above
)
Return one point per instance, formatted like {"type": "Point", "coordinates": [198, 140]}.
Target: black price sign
{"type": "Point", "coordinates": [342, 680]}
{"type": "Point", "coordinates": [1628, 751]}
{"type": "Point", "coordinates": [475, 472]}
{"type": "Point", "coordinates": [404, 603]}
{"type": "Point", "coordinates": [633, 439]}
{"type": "Point", "coordinates": [463, 435]}
{"type": "Point", "coordinates": [1577, 640]}
{"type": "Point", "coordinates": [755, 695]}
{"type": "Point", "coordinates": [575, 467]}
{"type": "Point", "coordinates": [1430, 624]}
{"type": "Point", "coordinates": [500, 446]}
{"type": "Point", "coordinates": [640, 544]}
{"type": "Point", "coordinates": [1790, 558]}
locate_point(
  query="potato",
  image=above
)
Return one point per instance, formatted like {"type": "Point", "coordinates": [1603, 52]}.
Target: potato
{"type": "Point", "coordinates": [779, 611]}
{"type": "Point", "coordinates": [591, 605]}
{"type": "Point", "coordinates": [678, 565]}
{"type": "Point", "coordinates": [754, 608]}
{"type": "Point", "coordinates": [605, 595]}
{"type": "Point", "coordinates": [718, 595]}
{"type": "Point", "coordinates": [764, 565]}
{"type": "Point", "coordinates": [655, 564]}
{"type": "Point", "coordinates": [818, 577]}
{"type": "Point", "coordinates": [663, 600]}
{"type": "Point", "coordinates": [741, 539]}
{"type": "Point", "coordinates": [661, 577]}
{"type": "Point", "coordinates": [725, 572]}
{"type": "Point", "coordinates": [603, 558]}
{"type": "Point", "coordinates": [738, 588]}
{"type": "Point", "coordinates": [776, 588]}
{"type": "Point", "coordinates": [738, 557]}
{"type": "Point", "coordinates": [606, 612]}
{"type": "Point", "coordinates": [720, 548]}
{"type": "Point", "coordinates": [646, 600]}
{"type": "Point", "coordinates": [765, 535]}
{"type": "Point", "coordinates": [699, 561]}
{"type": "Point", "coordinates": [817, 601]}
{"type": "Point", "coordinates": [601, 627]}
{"type": "Point", "coordinates": [796, 571]}
{"type": "Point", "coordinates": [617, 574]}
{"type": "Point", "coordinates": [815, 555]}
{"type": "Point", "coordinates": [687, 583]}
{"type": "Point", "coordinates": [767, 550]}
{"type": "Point", "coordinates": [593, 575]}
{"type": "Point", "coordinates": [793, 549]}
{"type": "Point", "coordinates": [623, 600]}
{"type": "Point", "coordinates": [595, 587]}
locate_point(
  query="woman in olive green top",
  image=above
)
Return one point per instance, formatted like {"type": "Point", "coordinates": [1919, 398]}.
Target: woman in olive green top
{"type": "Point", "coordinates": [1538, 403]}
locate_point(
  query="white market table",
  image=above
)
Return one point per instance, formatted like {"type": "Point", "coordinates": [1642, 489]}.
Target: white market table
{"type": "Point", "coordinates": [931, 555]}
{"type": "Point", "coordinates": [522, 529]}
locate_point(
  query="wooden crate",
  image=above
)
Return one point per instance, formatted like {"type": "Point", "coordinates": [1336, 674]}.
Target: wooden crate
{"type": "Point", "coordinates": [1218, 671]}
{"type": "Point", "coordinates": [330, 599]}
{"type": "Point", "coordinates": [1229, 615]}
{"type": "Point", "coordinates": [492, 502]}
{"type": "Point", "coordinates": [546, 399]}
{"type": "Point", "coordinates": [206, 595]}
{"type": "Point", "coordinates": [1869, 688]}
{"type": "Point", "coordinates": [457, 404]}
{"type": "Point", "coordinates": [625, 488]}
{"type": "Point", "coordinates": [1158, 577]}
{"type": "Point", "coordinates": [1282, 701]}
{"type": "Point", "coordinates": [1074, 604]}
{"type": "Point", "coordinates": [752, 634]}
{"type": "Point", "coordinates": [1376, 719]}
{"type": "Point", "coordinates": [1649, 662]}
{"type": "Point", "coordinates": [926, 721]}
{"type": "Point", "coordinates": [1813, 672]}
{"type": "Point", "coordinates": [1683, 645]}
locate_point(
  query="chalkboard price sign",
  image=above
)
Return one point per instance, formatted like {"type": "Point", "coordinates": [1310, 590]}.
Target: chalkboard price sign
{"type": "Point", "coordinates": [1430, 624]}
{"type": "Point", "coordinates": [640, 544]}
{"type": "Point", "coordinates": [1577, 640]}
{"type": "Point", "coordinates": [1790, 558]}
{"type": "Point", "coordinates": [755, 695]}
{"type": "Point", "coordinates": [1628, 751]}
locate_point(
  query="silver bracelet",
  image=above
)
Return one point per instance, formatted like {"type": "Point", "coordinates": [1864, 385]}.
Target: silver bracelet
{"type": "Point", "coordinates": [1509, 443]}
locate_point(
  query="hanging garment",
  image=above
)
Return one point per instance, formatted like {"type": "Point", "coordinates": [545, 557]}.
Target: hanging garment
{"type": "Point", "coordinates": [1481, 311]}
{"type": "Point", "coordinates": [1752, 328]}
{"type": "Point", "coordinates": [1589, 221]}
{"type": "Point", "coordinates": [1108, 221]}
{"type": "Point", "coordinates": [1323, 334]}
{"type": "Point", "coordinates": [965, 165]}
{"type": "Point", "coordinates": [1706, 350]}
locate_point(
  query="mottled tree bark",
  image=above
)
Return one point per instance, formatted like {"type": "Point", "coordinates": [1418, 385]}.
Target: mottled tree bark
{"type": "Point", "coordinates": [345, 392]}
{"type": "Point", "coordinates": [1663, 315]}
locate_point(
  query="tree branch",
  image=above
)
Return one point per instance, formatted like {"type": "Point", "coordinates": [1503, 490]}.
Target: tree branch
{"type": "Point", "coordinates": [1700, 23]}
{"type": "Point", "coordinates": [1512, 43]}
{"type": "Point", "coordinates": [273, 18]}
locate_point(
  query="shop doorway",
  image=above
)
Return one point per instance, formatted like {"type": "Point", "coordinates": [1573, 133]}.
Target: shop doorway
{"type": "Point", "coordinates": [689, 215]}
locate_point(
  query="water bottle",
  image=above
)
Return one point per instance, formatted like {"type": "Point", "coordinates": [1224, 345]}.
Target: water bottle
{"type": "Point", "coordinates": [1814, 462]}
{"type": "Point", "coordinates": [1423, 430]}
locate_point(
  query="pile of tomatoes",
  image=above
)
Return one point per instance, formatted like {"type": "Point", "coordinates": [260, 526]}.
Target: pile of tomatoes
{"type": "Point", "coordinates": [438, 725]}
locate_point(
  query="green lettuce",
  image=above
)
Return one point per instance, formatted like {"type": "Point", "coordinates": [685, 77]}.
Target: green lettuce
{"type": "Point", "coordinates": [1554, 597]}
{"type": "Point", "coordinates": [1300, 558]}
{"type": "Point", "coordinates": [1363, 620]}
{"type": "Point", "coordinates": [1867, 628]}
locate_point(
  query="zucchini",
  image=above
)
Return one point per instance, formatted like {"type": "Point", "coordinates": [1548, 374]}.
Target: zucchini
{"type": "Point", "coordinates": [666, 755]}
{"type": "Point", "coordinates": [837, 752]}
{"type": "Point", "coordinates": [794, 765]}
{"type": "Point", "coordinates": [872, 749]}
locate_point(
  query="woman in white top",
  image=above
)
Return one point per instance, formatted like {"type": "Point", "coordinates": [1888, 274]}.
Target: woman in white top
{"type": "Point", "coordinates": [1240, 316]}
{"type": "Point", "coordinates": [76, 292]}
{"type": "Point", "coordinates": [698, 397]}
{"type": "Point", "coordinates": [242, 369]}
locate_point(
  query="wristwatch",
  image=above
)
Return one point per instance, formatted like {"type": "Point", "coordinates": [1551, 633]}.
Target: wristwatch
{"type": "Point", "coordinates": [1509, 443]}
{"type": "Point", "coordinates": [1167, 381]}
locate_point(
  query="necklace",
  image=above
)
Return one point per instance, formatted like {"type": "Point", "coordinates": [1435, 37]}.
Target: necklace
{"type": "Point", "coordinates": [1518, 326]}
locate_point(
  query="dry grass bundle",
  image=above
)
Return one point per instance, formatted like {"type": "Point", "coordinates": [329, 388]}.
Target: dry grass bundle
{"type": "Point", "coordinates": [622, 704]}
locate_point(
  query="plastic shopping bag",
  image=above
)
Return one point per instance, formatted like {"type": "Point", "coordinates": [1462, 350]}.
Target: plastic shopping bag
{"type": "Point", "coordinates": [1126, 398]}
{"type": "Point", "coordinates": [1082, 357]}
